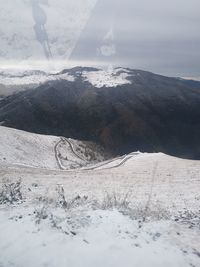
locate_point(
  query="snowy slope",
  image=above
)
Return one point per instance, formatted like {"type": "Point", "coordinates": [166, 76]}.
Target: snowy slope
{"type": "Point", "coordinates": [32, 78]}
{"type": "Point", "coordinates": [108, 78]}
{"type": "Point", "coordinates": [18, 147]}
{"type": "Point", "coordinates": [40, 151]}
{"type": "Point", "coordinates": [19, 80]}
{"type": "Point", "coordinates": [112, 217]}
{"type": "Point", "coordinates": [98, 77]}
{"type": "Point", "coordinates": [106, 214]}
{"type": "Point", "coordinates": [94, 238]}
{"type": "Point", "coordinates": [15, 80]}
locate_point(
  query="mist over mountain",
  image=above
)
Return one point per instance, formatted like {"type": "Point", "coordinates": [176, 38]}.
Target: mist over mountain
{"type": "Point", "coordinates": [125, 110]}
{"type": "Point", "coordinates": [158, 36]}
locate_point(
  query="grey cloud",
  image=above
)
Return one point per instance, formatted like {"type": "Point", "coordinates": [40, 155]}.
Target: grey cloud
{"type": "Point", "coordinates": [158, 35]}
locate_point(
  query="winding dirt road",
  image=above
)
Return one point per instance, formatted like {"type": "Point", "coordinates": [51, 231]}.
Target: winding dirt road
{"type": "Point", "coordinates": [64, 140]}
{"type": "Point", "coordinates": [57, 153]}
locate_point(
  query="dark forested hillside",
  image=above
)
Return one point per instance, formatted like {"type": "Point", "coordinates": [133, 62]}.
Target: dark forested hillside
{"type": "Point", "coordinates": [153, 113]}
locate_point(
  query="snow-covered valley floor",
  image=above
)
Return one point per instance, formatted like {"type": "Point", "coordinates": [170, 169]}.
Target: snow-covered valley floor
{"type": "Point", "coordinates": [137, 210]}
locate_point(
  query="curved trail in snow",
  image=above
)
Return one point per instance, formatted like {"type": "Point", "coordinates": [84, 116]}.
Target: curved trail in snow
{"type": "Point", "coordinates": [99, 167]}
{"type": "Point", "coordinates": [121, 163]}
{"type": "Point", "coordinates": [64, 140]}
{"type": "Point", "coordinates": [124, 160]}
{"type": "Point", "coordinates": [102, 164]}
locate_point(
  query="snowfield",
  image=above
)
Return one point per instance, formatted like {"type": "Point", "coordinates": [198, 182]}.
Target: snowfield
{"type": "Point", "coordinates": [32, 79]}
{"type": "Point", "coordinates": [136, 210]}
{"type": "Point", "coordinates": [19, 148]}
{"type": "Point", "coordinates": [16, 80]}
{"type": "Point", "coordinates": [109, 78]}
{"type": "Point", "coordinates": [22, 148]}
{"type": "Point", "coordinates": [20, 80]}
{"type": "Point", "coordinates": [102, 238]}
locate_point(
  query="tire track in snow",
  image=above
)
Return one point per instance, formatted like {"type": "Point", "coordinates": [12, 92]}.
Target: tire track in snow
{"type": "Point", "coordinates": [124, 160]}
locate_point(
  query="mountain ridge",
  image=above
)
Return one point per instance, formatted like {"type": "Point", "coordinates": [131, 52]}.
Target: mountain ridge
{"type": "Point", "coordinates": [130, 110]}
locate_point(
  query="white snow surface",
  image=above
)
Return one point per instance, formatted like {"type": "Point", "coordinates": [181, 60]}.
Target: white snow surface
{"type": "Point", "coordinates": [136, 210]}
{"type": "Point", "coordinates": [14, 81]}
{"type": "Point", "coordinates": [23, 148]}
{"type": "Point", "coordinates": [23, 80]}
{"type": "Point", "coordinates": [34, 79]}
{"type": "Point", "coordinates": [109, 78]}
{"type": "Point", "coordinates": [103, 238]}
{"type": "Point", "coordinates": [42, 151]}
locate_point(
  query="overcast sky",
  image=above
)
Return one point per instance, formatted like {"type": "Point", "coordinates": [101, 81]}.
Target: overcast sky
{"type": "Point", "coordinates": [157, 35]}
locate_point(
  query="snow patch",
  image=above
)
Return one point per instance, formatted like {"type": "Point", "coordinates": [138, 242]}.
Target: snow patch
{"type": "Point", "coordinates": [34, 79]}
{"type": "Point", "coordinates": [104, 78]}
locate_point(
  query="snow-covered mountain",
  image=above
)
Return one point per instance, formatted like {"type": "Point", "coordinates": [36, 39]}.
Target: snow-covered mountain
{"type": "Point", "coordinates": [122, 108]}
{"type": "Point", "coordinates": [15, 81]}
{"type": "Point", "coordinates": [12, 81]}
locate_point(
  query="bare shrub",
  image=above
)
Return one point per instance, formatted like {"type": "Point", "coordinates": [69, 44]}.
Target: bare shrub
{"type": "Point", "coordinates": [41, 214]}
{"type": "Point", "coordinates": [70, 203]}
{"type": "Point", "coordinates": [46, 206]}
{"type": "Point", "coordinates": [156, 212]}
{"type": "Point", "coordinates": [120, 202]}
{"type": "Point", "coordinates": [189, 217]}
{"type": "Point", "coordinates": [11, 193]}
{"type": "Point", "coordinates": [61, 196]}
{"type": "Point", "coordinates": [42, 211]}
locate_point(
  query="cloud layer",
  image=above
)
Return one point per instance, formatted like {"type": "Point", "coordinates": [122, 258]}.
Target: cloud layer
{"type": "Point", "coordinates": [156, 35]}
